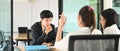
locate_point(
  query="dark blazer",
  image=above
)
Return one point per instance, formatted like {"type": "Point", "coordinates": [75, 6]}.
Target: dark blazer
{"type": "Point", "coordinates": [38, 36]}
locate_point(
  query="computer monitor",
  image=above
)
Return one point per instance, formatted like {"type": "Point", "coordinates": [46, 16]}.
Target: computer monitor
{"type": "Point", "coordinates": [93, 43]}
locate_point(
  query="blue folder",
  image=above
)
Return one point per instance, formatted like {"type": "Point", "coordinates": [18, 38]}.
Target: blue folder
{"type": "Point", "coordinates": [37, 48]}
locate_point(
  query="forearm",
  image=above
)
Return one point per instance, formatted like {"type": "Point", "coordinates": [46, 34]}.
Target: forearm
{"type": "Point", "coordinates": [41, 38]}
{"type": "Point", "coordinates": [48, 44]}
{"type": "Point", "coordinates": [59, 34]}
{"type": "Point", "coordinates": [53, 37]}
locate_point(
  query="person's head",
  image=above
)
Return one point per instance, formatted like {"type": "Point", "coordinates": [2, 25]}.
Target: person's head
{"type": "Point", "coordinates": [86, 17]}
{"type": "Point", "coordinates": [46, 17]}
{"type": "Point", "coordinates": [108, 18]}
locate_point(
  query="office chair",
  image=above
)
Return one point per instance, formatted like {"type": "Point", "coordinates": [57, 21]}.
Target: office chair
{"type": "Point", "coordinates": [22, 29]}
{"type": "Point", "coordinates": [3, 44]}
{"type": "Point", "coordinates": [93, 43]}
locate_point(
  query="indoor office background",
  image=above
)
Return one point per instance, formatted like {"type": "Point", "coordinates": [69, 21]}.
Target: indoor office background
{"type": "Point", "coordinates": [74, 6]}
{"type": "Point", "coordinates": [26, 12]}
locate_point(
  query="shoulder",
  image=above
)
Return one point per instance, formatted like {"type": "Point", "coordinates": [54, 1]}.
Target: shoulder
{"type": "Point", "coordinates": [112, 30]}
{"type": "Point", "coordinates": [36, 24]}
{"type": "Point", "coordinates": [96, 31]}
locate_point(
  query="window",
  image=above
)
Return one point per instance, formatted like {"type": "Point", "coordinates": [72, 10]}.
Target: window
{"type": "Point", "coordinates": [71, 9]}
{"type": "Point", "coordinates": [116, 7]}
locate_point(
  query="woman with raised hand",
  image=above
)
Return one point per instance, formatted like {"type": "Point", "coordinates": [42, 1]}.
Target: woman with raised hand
{"type": "Point", "coordinates": [86, 22]}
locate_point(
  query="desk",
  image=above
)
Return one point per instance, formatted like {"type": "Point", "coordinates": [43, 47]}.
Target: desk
{"type": "Point", "coordinates": [23, 49]}
{"type": "Point", "coordinates": [21, 37]}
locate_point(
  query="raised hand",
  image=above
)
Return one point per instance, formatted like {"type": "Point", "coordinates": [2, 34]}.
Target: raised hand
{"type": "Point", "coordinates": [62, 20]}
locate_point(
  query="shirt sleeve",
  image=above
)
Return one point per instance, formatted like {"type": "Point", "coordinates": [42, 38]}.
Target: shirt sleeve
{"type": "Point", "coordinates": [36, 38]}
{"type": "Point", "coordinates": [96, 32]}
{"type": "Point", "coordinates": [63, 44]}
{"type": "Point", "coordinates": [54, 35]}
{"type": "Point", "coordinates": [41, 39]}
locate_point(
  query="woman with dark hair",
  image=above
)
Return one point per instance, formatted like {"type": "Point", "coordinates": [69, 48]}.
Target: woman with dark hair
{"type": "Point", "coordinates": [86, 22]}
{"type": "Point", "coordinates": [108, 21]}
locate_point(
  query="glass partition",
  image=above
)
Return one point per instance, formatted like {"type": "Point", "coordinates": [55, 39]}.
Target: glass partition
{"type": "Point", "coordinates": [116, 7]}
{"type": "Point", "coordinates": [71, 9]}
{"type": "Point", "coordinates": [5, 25]}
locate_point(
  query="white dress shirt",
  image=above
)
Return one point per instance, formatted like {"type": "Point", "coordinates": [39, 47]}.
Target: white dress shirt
{"type": "Point", "coordinates": [111, 30]}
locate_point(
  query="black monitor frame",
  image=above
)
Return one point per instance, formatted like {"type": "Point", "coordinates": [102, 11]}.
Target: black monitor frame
{"type": "Point", "coordinates": [92, 37]}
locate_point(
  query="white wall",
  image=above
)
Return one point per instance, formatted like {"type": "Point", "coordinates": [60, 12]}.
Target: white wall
{"type": "Point", "coordinates": [108, 4]}
{"type": "Point", "coordinates": [21, 15]}
{"type": "Point", "coordinates": [26, 13]}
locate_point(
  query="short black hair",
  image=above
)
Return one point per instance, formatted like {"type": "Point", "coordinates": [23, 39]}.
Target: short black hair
{"type": "Point", "coordinates": [111, 17]}
{"type": "Point", "coordinates": [46, 14]}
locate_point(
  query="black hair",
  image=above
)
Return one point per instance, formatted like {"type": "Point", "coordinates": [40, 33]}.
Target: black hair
{"type": "Point", "coordinates": [46, 14]}
{"type": "Point", "coordinates": [111, 17]}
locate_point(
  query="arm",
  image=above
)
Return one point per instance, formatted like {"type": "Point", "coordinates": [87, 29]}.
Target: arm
{"type": "Point", "coordinates": [41, 39]}
{"type": "Point", "coordinates": [36, 39]}
{"type": "Point", "coordinates": [59, 34]}
{"type": "Point", "coordinates": [54, 35]}
{"type": "Point", "coordinates": [62, 21]}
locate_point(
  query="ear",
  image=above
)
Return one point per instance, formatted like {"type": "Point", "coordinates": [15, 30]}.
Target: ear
{"type": "Point", "coordinates": [79, 17]}
{"type": "Point", "coordinates": [104, 20]}
{"type": "Point", "coordinates": [40, 19]}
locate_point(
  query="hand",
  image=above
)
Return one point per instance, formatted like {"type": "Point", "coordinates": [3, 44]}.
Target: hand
{"type": "Point", "coordinates": [47, 44]}
{"type": "Point", "coordinates": [62, 21]}
{"type": "Point", "coordinates": [48, 29]}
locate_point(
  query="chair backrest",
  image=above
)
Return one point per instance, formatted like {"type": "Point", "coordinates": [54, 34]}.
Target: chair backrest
{"type": "Point", "coordinates": [29, 35]}
{"type": "Point", "coordinates": [22, 29]}
{"type": "Point", "coordinates": [2, 41]}
{"type": "Point", "coordinates": [93, 43]}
